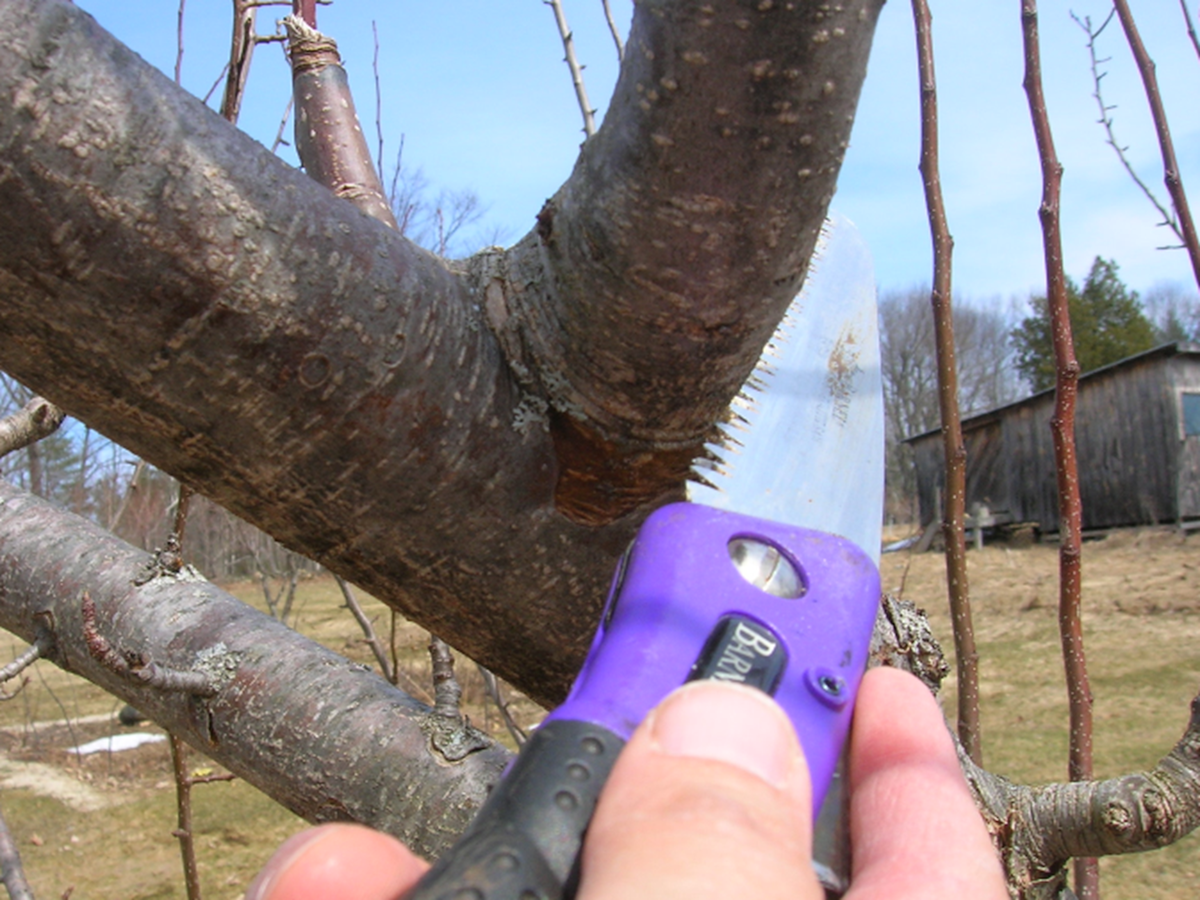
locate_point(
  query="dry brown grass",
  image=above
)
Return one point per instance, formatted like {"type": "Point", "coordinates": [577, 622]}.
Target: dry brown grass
{"type": "Point", "coordinates": [1142, 639]}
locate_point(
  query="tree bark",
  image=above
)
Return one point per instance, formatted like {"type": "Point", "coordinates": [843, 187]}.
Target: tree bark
{"type": "Point", "coordinates": [472, 443]}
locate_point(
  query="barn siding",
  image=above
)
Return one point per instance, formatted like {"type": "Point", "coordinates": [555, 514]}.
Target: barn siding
{"type": "Point", "coordinates": [1134, 467]}
{"type": "Point", "coordinates": [1123, 434]}
{"type": "Point", "coordinates": [1186, 377]}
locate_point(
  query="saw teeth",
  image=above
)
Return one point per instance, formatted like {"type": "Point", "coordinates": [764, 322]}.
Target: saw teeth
{"type": "Point", "coordinates": [755, 382]}
{"type": "Point", "coordinates": [699, 479]}
{"type": "Point", "coordinates": [726, 434]}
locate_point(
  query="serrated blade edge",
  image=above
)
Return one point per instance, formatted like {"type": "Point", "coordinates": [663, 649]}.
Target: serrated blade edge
{"type": "Point", "coordinates": [808, 450]}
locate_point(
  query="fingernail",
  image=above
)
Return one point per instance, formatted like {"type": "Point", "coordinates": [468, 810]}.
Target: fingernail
{"type": "Point", "coordinates": [728, 723]}
{"type": "Point", "coordinates": [287, 853]}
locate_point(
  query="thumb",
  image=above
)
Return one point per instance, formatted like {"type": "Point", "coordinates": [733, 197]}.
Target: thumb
{"type": "Point", "coordinates": [710, 798]}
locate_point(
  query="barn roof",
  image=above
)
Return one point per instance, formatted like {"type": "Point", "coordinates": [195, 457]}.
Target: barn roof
{"type": "Point", "coordinates": [1173, 348]}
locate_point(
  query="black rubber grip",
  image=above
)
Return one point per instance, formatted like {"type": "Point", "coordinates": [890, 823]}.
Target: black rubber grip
{"type": "Point", "coordinates": [524, 843]}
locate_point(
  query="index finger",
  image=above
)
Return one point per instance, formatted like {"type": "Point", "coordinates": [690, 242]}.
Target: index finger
{"type": "Point", "coordinates": [914, 827]}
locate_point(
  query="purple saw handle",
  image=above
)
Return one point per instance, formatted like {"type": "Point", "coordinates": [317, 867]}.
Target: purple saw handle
{"type": "Point", "coordinates": [680, 609]}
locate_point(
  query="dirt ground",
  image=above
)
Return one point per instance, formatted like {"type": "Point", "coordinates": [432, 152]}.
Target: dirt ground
{"type": "Point", "coordinates": [101, 824]}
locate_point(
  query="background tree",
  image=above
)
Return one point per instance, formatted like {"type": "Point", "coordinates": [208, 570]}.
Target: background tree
{"type": "Point", "coordinates": [1107, 321]}
{"type": "Point", "coordinates": [985, 376]}
{"type": "Point", "coordinates": [1174, 312]}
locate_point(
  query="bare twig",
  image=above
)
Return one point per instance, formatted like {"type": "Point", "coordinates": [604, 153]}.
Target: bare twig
{"type": "Point", "coordinates": [216, 83]}
{"type": "Point", "coordinates": [1171, 175]}
{"type": "Point", "coordinates": [368, 629]}
{"type": "Point", "coordinates": [181, 511]}
{"type": "Point", "coordinates": [10, 865]}
{"type": "Point", "coordinates": [613, 30]}
{"type": "Point", "coordinates": [36, 651]}
{"type": "Point", "coordinates": [183, 802]}
{"type": "Point", "coordinates": [393, 646]}
{"type": "Point", "coordinates": [37, 419]}
{"type": "Point", "coordinates": [447, 692]}
{"type": "Point", "coordinates": [492, 685]}
{"type": "Point", "coordinates": [179, 44]}
{"type": "Point", "coordinates": [450, 732]}
{"type": "Point", "coordinates": [378, 101]}
{"type": "Point", "coordinates": [283, 120]}
{"type": "Point", "coordinates": [1079, 693]}
{"type": "Point", "coordinates": [1168, 219]}
{"type": "Point", "coordinates": [585, 106]}
{"type": "Point", "coordinates": [1191, 27]}
{"type": "Point", "coordinates": [241, 52]}
{"type": "Point", "coordinates": [967, 658]}
{"type": "Point", "coordinates": [128, 495]}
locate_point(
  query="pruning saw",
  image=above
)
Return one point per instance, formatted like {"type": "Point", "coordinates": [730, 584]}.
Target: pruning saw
{"type": "Point", "coordinates": [767, 577]}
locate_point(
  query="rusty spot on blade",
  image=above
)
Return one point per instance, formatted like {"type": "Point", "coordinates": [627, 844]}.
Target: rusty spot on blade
{"type": "Point", "coordinates": [841, 370]}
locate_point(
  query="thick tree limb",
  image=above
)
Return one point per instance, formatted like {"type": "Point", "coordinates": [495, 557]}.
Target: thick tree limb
{"type": "Point", "coordinates": [1038, 830]}
{"type": "Point", "coordinates": [326, 738]}
{"type": "Point", "coordinates": [190, 296]}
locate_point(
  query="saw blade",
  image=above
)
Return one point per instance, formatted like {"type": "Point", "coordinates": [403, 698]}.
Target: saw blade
{"type": "Point", "coordinates": [804, 440]}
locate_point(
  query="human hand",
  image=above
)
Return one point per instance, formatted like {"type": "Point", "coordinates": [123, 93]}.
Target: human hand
{"type": "Point", "coordinates": [711, 798]}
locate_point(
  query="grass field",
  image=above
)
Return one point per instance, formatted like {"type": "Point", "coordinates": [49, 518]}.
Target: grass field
{"type": "Point", "coordinates": [102, 824]}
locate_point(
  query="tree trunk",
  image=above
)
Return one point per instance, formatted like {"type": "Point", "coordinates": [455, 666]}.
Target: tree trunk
{"type": "Point", "coordinates": [472, 443]}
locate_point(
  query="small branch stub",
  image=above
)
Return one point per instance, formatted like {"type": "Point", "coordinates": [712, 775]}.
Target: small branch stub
{"type": "Point", "coordinates": [36, 420]}
{"type": "Point", "coordinates": [215, 666]}
{"type": "Point", "coordinates": [450, 732]}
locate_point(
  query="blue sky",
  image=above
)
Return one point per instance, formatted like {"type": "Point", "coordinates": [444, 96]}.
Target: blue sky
{"type": "Point", "coordinates": [483, 101]}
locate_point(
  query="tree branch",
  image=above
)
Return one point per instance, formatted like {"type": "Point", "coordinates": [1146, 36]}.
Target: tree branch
{"type": "Point", "coordinates": [614, 31]}
{"type": "Point", "coordinates": [474, 445]}
{"type": "Point", "coordinates": [329, 139]}
{"type": "Point", "coordinates": [1070, 511]}
{"type": "Point", "coordinates": [13, 872]}
{"type": "Point", "coordinates": [1171, 173]}
{"type": "Point", "coordinates": [564, 32]}
{"type": "Point", "coordinates": [1106, 120]}
{"type": "Point", "coordinates": [1042, 828]}
{"type": "Point", "coordinates": [954, 517]}
{"type": "Point", "coordinates": [328, 739]}
{"type": "Point", "coordinates": [1191, 27]}
{"type": "Point", "coordinates": [1037, 830]}
{"type": "Point", "coordinates": [36, 420]}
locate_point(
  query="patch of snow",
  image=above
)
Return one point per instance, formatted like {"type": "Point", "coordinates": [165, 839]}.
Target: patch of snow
{"type": "Point", "coordinates": [118, 742]}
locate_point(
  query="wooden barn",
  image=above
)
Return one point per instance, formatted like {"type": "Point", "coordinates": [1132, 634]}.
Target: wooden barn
{"type": "Point", "coordinates": [1137, 431]}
